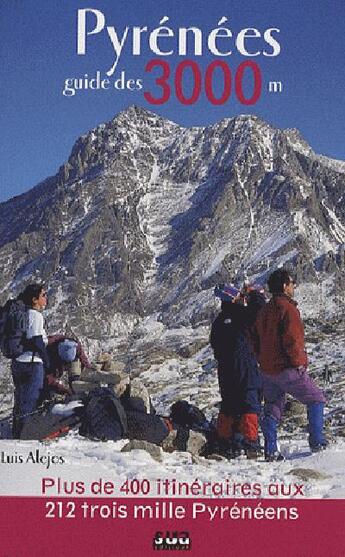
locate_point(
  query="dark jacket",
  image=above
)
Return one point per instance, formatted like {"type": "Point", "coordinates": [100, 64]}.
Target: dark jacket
{"type": "Point", "coordinates": [279, 336]}
{"type": "Point", "coordinates": [238, 374]}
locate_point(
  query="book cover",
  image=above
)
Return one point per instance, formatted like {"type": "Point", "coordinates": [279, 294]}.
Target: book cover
{"type": "Point", "coordinates": [150, 152]}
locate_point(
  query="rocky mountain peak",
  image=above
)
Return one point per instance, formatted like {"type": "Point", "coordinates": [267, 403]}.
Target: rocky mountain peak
{"type": "Point", "coordinates": [146, 217]}
{"type": "Point", "coordinates": [297, 141]}
{"type": "Point", "coordinates": [131, 128]}
{"type": "Point", "coordinates": [140, 116]}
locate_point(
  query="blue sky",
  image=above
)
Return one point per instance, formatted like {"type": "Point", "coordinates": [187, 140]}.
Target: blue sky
{"type": "Point", "coordinates": [38, 52]}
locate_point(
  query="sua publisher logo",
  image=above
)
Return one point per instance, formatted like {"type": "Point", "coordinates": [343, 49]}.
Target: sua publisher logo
{"type": "Point", "coordinates": [172, 541]}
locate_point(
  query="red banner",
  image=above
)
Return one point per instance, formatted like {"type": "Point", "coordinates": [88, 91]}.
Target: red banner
{"type": "Point", "coordinates": [38, 527]}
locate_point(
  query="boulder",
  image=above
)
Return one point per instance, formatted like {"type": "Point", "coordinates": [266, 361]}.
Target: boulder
{"type": "Point", "coordinates": [138, 390]}
{"type": "Point", "coordinates": [306, 474]}
{"type": "Point", "coordinates": [184, 440]}
{"type": "Point", "coordinates": [83, 386]}
{"type": "Point", "coordinates": [95, 376]}
{"type": "Point", "coordinates": [115, 367]}
{"type": "Point", "coordinates": [103, 357]}
{"type": "Point", "coordinates": [153, 450]}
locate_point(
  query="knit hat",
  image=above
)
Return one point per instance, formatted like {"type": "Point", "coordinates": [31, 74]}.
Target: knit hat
{"type": "Point", "coordinates": [226, 292]}
{"type": "Point", "coordinates": [254, 288]}
{"type": "Point", "coordinates": [67, 350]}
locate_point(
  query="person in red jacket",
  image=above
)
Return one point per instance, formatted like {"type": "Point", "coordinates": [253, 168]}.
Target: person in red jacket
{"type": "Point", "coordinates": [280, 348]}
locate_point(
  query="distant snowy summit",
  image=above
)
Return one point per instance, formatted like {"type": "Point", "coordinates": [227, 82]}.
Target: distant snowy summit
{"type": "Point", "coordinates": [147, 216]}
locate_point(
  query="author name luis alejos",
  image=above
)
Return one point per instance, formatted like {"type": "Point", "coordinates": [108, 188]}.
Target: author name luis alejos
{"type": "Point", "coordinates": [32, 457]}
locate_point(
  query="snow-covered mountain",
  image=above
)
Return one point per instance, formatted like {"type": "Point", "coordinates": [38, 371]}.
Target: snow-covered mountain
{"type": "Point", "coordinates": [146, 216]}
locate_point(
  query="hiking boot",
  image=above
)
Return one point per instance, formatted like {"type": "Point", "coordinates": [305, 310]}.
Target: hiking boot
{"type": "Point", "coordinates": [234, 452]}
{"type": "Point", "coordinates": [317, 441]}
{"type": "Point", "coordinates": [274, 457]}
{"type": "Point", "coordinates": [219, 447]}
{"type": "Point", "coordinates": [318, 447]}
{"type": "Point", "coordinates": [253, 453]}
{"type": "Point", "coordinates": [228, 450]}
{"type": "Point", "coordinates": [252, 449]}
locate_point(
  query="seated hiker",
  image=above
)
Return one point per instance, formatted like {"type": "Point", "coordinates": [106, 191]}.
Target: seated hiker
{"type": "Point", "coordinates": [238, 373]}
{"type": "Point", "coordinates": [64, 355]}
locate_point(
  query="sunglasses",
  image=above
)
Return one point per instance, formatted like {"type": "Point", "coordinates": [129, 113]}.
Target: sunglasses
{"type": "Point", "coordinates": [44, 294]}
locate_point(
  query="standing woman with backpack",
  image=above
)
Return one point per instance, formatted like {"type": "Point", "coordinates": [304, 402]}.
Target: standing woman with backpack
{"type": "Point", "coordinates": [28, 368]}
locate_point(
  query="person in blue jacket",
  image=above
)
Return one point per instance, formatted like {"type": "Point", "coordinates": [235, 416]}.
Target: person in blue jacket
{"type": "Point", "coordinates": [238, 374]}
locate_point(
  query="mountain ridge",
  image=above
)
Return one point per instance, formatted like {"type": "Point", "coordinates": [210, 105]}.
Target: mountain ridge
{"type": "Point", "coordinates": [146, 216]}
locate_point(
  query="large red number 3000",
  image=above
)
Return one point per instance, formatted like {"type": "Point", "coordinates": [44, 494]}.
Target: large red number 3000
{"type": "Point", "coordinates": [196, 81]}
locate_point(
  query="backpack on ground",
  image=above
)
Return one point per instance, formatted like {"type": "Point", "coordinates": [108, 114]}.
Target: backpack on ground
{"type": "Point", "coordinates": [146, 427]}
{"type": "Point", "coordinates": [185, 414]}
{"type": "Point", "coordinates": [45, 426]}
{"type": "Point", "coordinates": [13, 327]}
{"type": "Point", "coordinates": [104, 417]}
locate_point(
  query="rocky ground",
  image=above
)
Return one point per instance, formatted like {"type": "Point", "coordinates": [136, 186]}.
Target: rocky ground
{"type": "Point", "coordinates": [182, 367]}
{"type": "Point", "coordinates": [179, 364]}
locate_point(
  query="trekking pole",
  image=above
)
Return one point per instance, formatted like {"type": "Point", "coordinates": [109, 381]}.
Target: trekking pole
{"type": "Point", "coordinates": [38, 410]}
